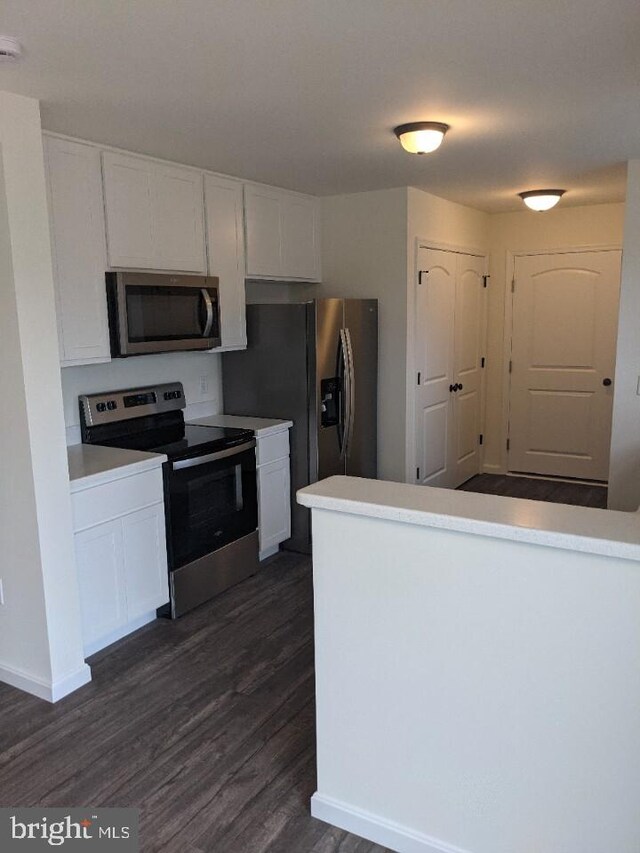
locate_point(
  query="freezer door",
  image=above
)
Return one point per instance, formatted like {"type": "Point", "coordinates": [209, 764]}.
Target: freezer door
{"type": "Point", "coordinates": [361, 325]}
{"type": "Point", "coordinates": [329, 408]}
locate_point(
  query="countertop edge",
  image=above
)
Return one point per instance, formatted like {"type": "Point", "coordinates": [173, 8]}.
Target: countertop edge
{"type": "Point", "coordinates": [260, 432]}
{"type": "Point", "coordinates": [318, 496]}
{"type": "Point", "coordinates": [119, 472]}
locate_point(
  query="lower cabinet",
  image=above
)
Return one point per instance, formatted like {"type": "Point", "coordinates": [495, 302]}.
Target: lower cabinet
{"type": "Point", "coordinates": [274, 491]}
{"type": "Point", "coordinates": [122, 569]}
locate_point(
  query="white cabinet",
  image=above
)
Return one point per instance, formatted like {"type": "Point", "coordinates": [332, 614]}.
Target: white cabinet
{"type": "Point", "coordinates": [225, 256]}
{"type": "Point", "coordinates": [283, 234]}
{"type": "Point", "coordinates": [154, 213]}
{"type": "Point", "coordinates": [78, 247]}
{"type": "Point", "coordinates": [274, 491]}
{"type": "Point", "coordinates": [121, 556]}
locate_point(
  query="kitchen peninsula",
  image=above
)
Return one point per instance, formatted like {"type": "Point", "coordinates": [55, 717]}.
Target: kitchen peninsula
{"type": "Point", "coordinates": [477, 658]}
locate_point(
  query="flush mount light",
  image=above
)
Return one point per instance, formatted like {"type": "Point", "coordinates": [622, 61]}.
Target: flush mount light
{"type": "Point", "coordinates": [421, 137]}
{"type": "Point", "coordinates": [9, 49]}
{"type": "Point", "coordinates": [541, 199]}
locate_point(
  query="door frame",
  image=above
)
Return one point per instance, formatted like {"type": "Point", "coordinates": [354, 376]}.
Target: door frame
{"type": "Point", "coordinates": [511, 256]}
{"type": "Point", "coordinates": [410, 429]}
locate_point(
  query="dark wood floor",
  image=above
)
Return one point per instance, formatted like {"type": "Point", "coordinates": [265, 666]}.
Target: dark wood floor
{"type": "Point", "coordinates": [578, 494]}
{"type": "Point", "coordinates": [206, 724]}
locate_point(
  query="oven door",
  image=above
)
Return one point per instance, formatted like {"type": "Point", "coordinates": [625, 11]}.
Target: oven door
{"type": "Point", "coordinates": [160, 313]}
{"type": "Point", "coordinates": [211, 500]}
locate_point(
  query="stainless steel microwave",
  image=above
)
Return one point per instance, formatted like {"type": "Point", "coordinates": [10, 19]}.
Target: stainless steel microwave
{"type": "Point", "coordinates": [160, 312]}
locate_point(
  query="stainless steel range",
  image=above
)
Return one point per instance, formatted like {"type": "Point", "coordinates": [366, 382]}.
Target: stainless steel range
{"type": "Point", "coordinates": [209, 480]}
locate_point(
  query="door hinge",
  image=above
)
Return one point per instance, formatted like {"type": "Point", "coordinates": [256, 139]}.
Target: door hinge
{"type": "Point", "coordinates": [417, 473]}
{"type": "Point", "coordinates": [510, 366]}
{"type": "Point", "coordinates": [482, 360]}
{"type": "Point", "coordinates": [481, 438]}
{"type": "Point", "coordinates": [419, 377]}
{"type": "Point", "coordinates": [508, 443]}
{"type": "Point", "coordinates": [513, 285]}
{"type": "Point", "coordinates": [485, 279]}
{"type": "Point", "coordinates": [420, 274]}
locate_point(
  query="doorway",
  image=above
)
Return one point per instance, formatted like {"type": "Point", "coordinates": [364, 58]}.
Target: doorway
{"type": "Point", "coordinates": [561, 363]}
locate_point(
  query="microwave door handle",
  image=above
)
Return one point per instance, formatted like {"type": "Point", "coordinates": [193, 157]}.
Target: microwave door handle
{"type": "Point", "coordinates": [209, 308]}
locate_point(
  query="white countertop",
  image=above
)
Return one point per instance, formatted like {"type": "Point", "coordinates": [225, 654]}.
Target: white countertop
{"type": "Point", "coordinates": [595, 531]}
{"type": "Point", "coordinates": [260, 426]}
{"type": "Point", "coordinates": [92, 464]}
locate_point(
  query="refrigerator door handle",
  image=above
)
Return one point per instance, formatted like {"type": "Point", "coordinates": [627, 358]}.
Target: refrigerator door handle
{"type": "Point", "coordinates": [345, 394]}
{"type": "Point", "coordinates": [350, 391]}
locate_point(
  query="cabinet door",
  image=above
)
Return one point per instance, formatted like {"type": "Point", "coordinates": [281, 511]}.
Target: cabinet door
{"type": "Point", "coordinates": [300, 238]}
{"type": "Point", "coordinates": [145, 560]}
{"type": "Point", "coordinates": [178, 219]}
{"type": "Point", "coordinates": [225, 250]}
{"type": "Point", "coordinates": [264, 232]}
{"type": "Point", "coordinates": [129, 208]}
{"type": "Point", "coordinates": [101, 582]}
{"type": "Point", "coordinates": [274, 503]}
{"type": "Point", "coordinates": [79, 257]}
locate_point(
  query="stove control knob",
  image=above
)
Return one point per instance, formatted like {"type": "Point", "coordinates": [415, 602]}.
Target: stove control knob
{"type": "Point", "coordinates": [101, 407]}
{"type": "Point", "coordinates": [111, 405]}
{"type": "Point", "coordinates": [167, 395]}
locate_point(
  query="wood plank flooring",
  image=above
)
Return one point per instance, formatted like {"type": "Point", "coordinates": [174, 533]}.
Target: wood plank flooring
{"type": "Point", "coordinates": [205, 724]}
{"type": "Point", "coordinates": [578, 494]}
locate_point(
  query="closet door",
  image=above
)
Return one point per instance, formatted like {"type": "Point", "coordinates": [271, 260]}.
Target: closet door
{"type": "Point", "coordinates": [434, 341]}
{"type": "Point", "coordinates": [469, 313]}
{"type": "Point", "coordinates": [449, 320]}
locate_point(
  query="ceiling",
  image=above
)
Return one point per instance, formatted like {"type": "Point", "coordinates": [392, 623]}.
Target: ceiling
{"type": "Point", "coordinates": [304, 94]}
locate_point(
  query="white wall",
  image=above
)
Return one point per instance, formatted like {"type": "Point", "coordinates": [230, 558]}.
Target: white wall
{"type": "Point", "coordinates": [443, 224]}
{"type": "Point", "coordinates": [474, 694]}
{"type": "Point", "coordinates": [624, 477]}
{"type": "Point", "coordinates": [527, 231]}
{"type": "Point", "coordinates": [40, 631]}
{"type": "Point", "coordinates": [364, 255]}
{"type": "Point", "coordinates": [187, 368]}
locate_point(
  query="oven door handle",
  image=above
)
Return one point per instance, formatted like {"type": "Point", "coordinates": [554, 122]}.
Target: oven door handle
{"type": "Point", "coordinates": [212, 457]}
{"type": "Point", "coordinates": [209, 306]}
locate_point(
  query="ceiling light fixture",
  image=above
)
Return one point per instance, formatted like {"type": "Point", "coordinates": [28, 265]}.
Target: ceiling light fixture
{"type": "Point", "coordinates": [10, 49]}
{"type": "Point", "coordinates": [541, 199]}
{"type": "Point", "coordinates": [421, 137]}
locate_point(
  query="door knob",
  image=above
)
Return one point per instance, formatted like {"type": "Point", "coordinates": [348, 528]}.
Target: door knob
{"type": "Point", "coordinates": [452, 388]}
{"type": "Point", "coordinates": [460, 386]}
{"type": "Point", "coordinates": [606, 382]}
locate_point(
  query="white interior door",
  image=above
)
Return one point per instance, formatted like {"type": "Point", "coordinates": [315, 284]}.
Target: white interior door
{"type": "Point", "coordinates": [434, 360]}
{"type": "Point", "coordinates": [469, 314]}
{"type": "Point", "coordinates": [565, 309]}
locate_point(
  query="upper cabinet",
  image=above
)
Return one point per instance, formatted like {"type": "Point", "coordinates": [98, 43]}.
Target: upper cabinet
{"type": "Point", "coordinates": [283, 234]}
{"type": "Point", "coordinates": [78, 247]}
{"type": "Point", "coordinates": [225, 255]}
{"type": "Point", "coordinates": [154, 212]}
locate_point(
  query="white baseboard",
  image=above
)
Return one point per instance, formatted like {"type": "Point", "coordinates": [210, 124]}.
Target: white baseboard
{"type": "Point", "coordinates": [43, 689]}
{"type": "Point", "coordinates": [489, 468]}
{"type": "Point", "coordinates": [119, 633]}
{"type": "Point", "coordinates": [377, 829]}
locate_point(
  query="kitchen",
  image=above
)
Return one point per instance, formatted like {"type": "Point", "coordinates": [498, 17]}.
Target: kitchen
{"type": "Point", "coordinates": [78, 204]}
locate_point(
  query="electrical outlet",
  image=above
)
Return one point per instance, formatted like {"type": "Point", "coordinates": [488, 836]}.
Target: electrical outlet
{"type": "Point", "coordinates": [204, 384]}
{"type": "Point", "coordinates": [1, 592]}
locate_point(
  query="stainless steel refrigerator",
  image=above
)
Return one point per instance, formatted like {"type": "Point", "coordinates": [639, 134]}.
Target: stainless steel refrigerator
{"type": "Point", "coordinates": [316, 364]}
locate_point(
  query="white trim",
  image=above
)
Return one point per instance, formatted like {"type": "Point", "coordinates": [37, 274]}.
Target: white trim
{"type": "Point", "coordinates": [374, 828]}
{"type": "Point", "coordinates": [119, 633]}
{"type": "Point", "coordinates": [510, 266]}
{"type": "Point", "coordinates": [268, 552]}
{"type": "Point", "coordinates": [491, 468]}
{"type": "Point", "coordinates": [422, 243]}
{"type": "Point", "coordinates": [43, 689]}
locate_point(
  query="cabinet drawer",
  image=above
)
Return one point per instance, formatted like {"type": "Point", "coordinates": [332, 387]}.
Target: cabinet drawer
{"type": "Point", "coordinates": [272, 447]}
{"type": "Point", "coordinates": [119, 497]}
